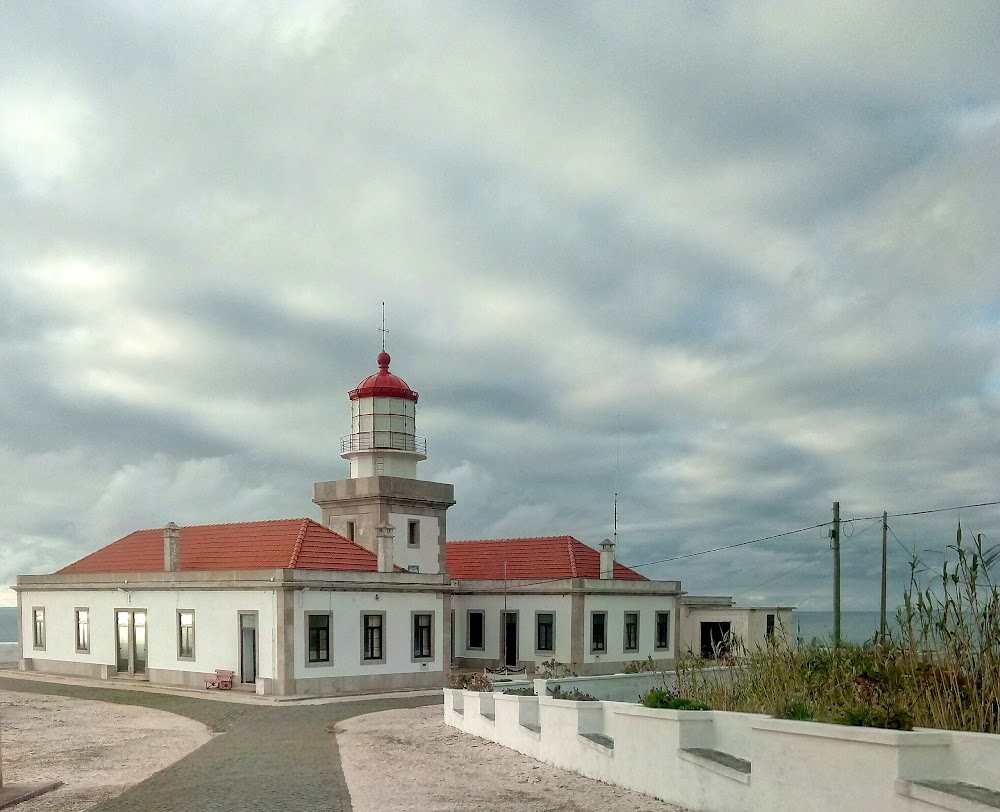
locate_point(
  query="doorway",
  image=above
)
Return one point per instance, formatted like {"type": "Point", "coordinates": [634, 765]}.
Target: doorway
{"type": "Point", "coordinates": [715, 639]}
{"type": "Point", "coordinates": [248, 647]}
{"type": "Point", "coordinates": [130, 642]}
{"type": "Point", "coordinates": [510, 639]}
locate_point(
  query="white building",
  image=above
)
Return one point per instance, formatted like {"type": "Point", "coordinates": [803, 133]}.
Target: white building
{"type": "Point", "coordinates": [370, 598]}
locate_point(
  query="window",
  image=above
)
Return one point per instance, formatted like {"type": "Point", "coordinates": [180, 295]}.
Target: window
{"type": "Point", "coordinates": [379, 466]}
{"type": "Point", "coordinates": [82, 630]}
{"type": "Point", "coordinates": [422, 636]}
{"type": "Point", "coordinates": [38, 624]}
{"type": "Point", "coordinates": [413, 568]}
{"type": "Point", "coordinates": [373, 637]}
{"type": "Point", "coordinates": [545, 625]}
{"type": "Point", "coordinates": [631, 638]}
{"type": "Point", "coordinates": [185, 634]}
{"type": "Point", "coordinates": [317, 637]}
{"type": "Point", "coordinates": [350, 530]}
{"type": "Point", "coordinates": [598, 632]}
{"type": "Point", "coordinates": [413, 533]}
{"type": "Point", "coordinates": [476, 626]}
{"type": "Point", "coordinates": [770, 628]}
{"type": "Point", "coordinates": [662, 630]}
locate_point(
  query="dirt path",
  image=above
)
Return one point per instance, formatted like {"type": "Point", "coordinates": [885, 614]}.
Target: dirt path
{"type": "Point", "coordinates": [410, 759]}
{"type": "Point", "coordinates": [96, 749]}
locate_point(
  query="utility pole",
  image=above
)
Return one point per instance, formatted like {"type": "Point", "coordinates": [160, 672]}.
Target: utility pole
{"type": "Point", "coordinates": [885, 527]}
{"type": "Point", "coordinates": [835, 539]}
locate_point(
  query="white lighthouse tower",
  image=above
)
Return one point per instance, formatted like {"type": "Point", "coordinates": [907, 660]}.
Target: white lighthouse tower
{"type": "Point", "coordinates": [383, 499]}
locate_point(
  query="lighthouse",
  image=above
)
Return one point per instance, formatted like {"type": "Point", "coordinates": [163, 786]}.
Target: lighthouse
{"type": "Point", "coordinates": [383, 506]}
{"type": "Point", "coordinates": [383, 439]}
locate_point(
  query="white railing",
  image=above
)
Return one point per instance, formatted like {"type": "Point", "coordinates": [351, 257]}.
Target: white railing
{"type": "Point", "coordinates": [713, 760]}
{"type": "Point", "coordinates": [389, 440]}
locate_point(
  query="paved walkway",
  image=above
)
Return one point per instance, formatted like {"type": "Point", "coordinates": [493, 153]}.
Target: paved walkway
{"type": "Point", "coordinates": [272, 758]}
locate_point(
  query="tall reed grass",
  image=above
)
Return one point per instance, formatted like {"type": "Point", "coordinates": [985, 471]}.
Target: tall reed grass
{"type": "Point", "coordinates": [940, 666]}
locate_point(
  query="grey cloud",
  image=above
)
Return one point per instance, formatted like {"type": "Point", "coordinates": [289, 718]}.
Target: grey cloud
{"type": "Point", "coordinates": [735, 261]}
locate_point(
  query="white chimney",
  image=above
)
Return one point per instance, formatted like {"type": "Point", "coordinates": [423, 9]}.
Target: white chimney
{"type": "Point", "coordinates": [607, 560]}
{"type": "Point", "coordinates": [171, 548]}
{"type": "Point", "coordinates": [384, 535]}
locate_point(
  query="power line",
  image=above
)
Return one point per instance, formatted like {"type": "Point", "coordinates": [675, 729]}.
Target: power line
{"type": "Point", "coordinates": [729, 546]}
{"type": "Point", "coordinates": [925, 512]}
{"type": "Point", "coordinates": [775, 578]}
{"type": "Point", "coordinates": [872, 519]}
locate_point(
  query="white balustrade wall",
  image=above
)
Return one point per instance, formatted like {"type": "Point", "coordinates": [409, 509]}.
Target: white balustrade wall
{"type": "Point", "coordinates": [732, 762]}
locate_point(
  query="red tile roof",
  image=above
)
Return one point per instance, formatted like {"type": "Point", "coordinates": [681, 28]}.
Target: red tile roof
{"type": "Point", "coordinates": [280, 544]}
{"type": "Point", "coordinates": [551, 557]}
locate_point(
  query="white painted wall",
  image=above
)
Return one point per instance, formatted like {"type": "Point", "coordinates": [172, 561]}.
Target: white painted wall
{"type": "Point", "coordinates": [216, 626]}
{"type": "Point", "coordinates": [616, 606]}
{"type": "Point", "coordinates": [749, 624]}
{"type": "Point", "coordinates": [526, 606]}
{"type": "Point", "coordinates": [346, 609]}
{"type": "Point", "coordinates": [426, 555]}
{"type": "Point", "coordinates": [795, 765]}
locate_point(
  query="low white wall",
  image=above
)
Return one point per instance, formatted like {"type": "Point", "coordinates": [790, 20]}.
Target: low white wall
{"type": "Point", "coordinates": [792, 765]}
{"type": "Point", "coordinates": [9, 653]}
{"type": "Point", "coordinates": [613, 687]}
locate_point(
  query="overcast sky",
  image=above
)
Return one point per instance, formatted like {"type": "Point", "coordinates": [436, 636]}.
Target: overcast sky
{"type": "Point", "coordinates": [738, 260]}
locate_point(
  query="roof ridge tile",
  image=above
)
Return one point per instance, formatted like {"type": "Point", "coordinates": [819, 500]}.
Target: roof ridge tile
{"type": "Point", "coordinates": [572, 556]}
{"type": "Point", "coordinates": [298, 544]}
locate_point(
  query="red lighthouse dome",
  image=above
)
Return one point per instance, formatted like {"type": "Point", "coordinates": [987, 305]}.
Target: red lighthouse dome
{"type": "Point", "coordinates": [383, 383]}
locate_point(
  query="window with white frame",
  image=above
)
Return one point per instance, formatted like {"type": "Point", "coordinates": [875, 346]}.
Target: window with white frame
{"type": "Point", "coordinates": [423, 626]}
{"type": "Point", "coordinates": [82, 617]}
{"type": "Point", "coordinates": [185, 634]}
{"type": "Point", "coordinates": [318, 637]}
{"type": "Point", "coordinates": [630, 639]}
{"type": "Point", "coordinates": [662, 630]}
{"type": "Point", "coordinates": [413, 533]}
{"type": "Point", "coordinates": [38, 627]}
{"type": "Point", "coordinates": [476, 627]}
{"type": "Point", "coordinates": [545, 632]}
{"type": "Point", "coordinates": [373, 637]}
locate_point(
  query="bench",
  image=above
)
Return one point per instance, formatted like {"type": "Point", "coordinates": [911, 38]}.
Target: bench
{"type": "Point", "coordinates": [223, 680]}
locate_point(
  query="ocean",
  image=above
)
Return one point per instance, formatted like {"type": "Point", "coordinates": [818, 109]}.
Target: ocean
{"type": "Point", "coordinates": [8, 624]}
{"type": "Point", "coordinates": [855, 627]}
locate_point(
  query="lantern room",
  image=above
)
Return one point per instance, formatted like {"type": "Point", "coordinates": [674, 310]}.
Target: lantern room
{"type": "Point", "coordinates": [383, 439]}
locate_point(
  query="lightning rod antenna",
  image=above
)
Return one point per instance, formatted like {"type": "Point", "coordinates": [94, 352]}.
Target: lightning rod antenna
{"type": "Point", "coordinates": [618, 443]}
{"type": "Point", "coordinates": [382, 329]}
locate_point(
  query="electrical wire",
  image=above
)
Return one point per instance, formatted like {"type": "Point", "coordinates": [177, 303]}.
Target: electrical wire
{"type": "Point", "coordinates": [729, 546]}
{"type": "Point", "coordinates": [923, 512]}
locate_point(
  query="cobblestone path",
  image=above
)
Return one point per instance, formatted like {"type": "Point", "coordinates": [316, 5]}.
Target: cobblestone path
{"type": "Point", "coordinates": [272, 758]}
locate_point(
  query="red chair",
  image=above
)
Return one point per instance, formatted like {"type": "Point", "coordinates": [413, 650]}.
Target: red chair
{"type": "Point", "coordinates": [223, 680]}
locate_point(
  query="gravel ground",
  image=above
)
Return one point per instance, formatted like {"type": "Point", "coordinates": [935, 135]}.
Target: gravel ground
{"type": "Point", "coordinates": [411, 760]}
{"type": "Point", "coordinates": [96, 749]}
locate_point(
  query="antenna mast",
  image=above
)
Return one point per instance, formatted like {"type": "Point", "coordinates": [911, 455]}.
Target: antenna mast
{"type": "Point", "coordinates": [382, 329]}
{"type": "Point", "coordinates": [618, 442]}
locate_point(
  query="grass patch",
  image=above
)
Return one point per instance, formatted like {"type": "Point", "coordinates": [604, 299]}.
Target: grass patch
{"type": "Point", "coordinates": [939, 668]}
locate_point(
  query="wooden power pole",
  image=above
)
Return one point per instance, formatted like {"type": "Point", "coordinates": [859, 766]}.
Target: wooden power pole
{"type": "Point", "coordinates": [885, 527]}
{"type": "Point", "coordinates": [835, 539]}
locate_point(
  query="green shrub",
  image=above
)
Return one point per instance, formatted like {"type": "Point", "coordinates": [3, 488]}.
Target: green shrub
{"type": "Point", "coordinates": [940, 669]}
{"type": "Point", "coordinates": [658, 698]}
{"type": "Point", "coordinates": [473, 681]}
{"type": "Point", "coordinates": [576, 695]}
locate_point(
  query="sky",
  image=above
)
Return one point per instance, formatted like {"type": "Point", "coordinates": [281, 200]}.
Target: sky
{"type": "Point", "coordinates": [732, 261]}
